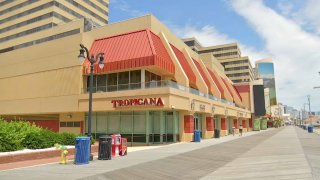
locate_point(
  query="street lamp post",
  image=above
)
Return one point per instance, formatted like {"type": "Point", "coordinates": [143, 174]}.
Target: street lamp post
{"type": "Point", "coordinates": [92, 59]}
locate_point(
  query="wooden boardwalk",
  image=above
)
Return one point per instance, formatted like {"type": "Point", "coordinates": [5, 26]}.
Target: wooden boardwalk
{"type": "Point", "coordinates": [284, 153]}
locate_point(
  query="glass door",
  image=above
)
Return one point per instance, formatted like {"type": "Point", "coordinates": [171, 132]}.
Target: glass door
{"type": "Point", "coordinates": [155, 127]}
{"type": "Point", "coordinates": [198, 123]}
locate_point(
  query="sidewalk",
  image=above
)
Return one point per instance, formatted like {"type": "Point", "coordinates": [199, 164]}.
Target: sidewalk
{"type": "Point", "coordinates": [279, 157]}
{"type": "Point", "coordinates": [135, 156]}
{"type": "Point", "coordinates": [55, 160]}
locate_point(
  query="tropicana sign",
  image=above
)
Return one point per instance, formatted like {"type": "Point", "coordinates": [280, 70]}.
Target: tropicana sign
{"type": "Point", "coordinates": [138, 102]}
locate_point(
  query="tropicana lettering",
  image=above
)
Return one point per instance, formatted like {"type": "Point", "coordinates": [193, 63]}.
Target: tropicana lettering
{"type": "Point", "coordinates": [138, 102]}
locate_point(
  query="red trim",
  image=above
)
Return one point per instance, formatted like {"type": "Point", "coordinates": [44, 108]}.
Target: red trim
{"type": "Point", "coordinates": [52, 125]}
{"type": "Point", "coordinates": [242, 88]}
{"type": "Point", "coordinates": [188, 124]}
{"type": "Point", "coordinates": [81, 127]}
{"type": "Point", "coordinates": [237, 92]}
{"type": "Point", "coordinates": [217, 82]}
{"type": "Point", "coordinates": [185, 65]}
{"type": "Point", "coordinates": [235, 123]}
{"type": "Point", "coordinates": [202, 73]}
{"type": "Point", "coordinates": [227, 85]}
{"type": "Point", "coordinates": [209, 123]}
{"type": "Point", "coordinates": [234, 93]}
{"type": "Point", "coordinates": [244, 124]}
{"type": "Point", "coordinates": [223, 124]}
{"type": "Point", "coordinates": [250, 123]}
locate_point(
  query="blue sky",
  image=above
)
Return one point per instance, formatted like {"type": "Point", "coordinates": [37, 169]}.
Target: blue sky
{"type": "Point", "coordinates": [183, 12]}
{"type": "Point", "coordinates": [288, 31]}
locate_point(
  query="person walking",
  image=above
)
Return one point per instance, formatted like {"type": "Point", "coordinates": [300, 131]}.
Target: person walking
{"type": "Point", "coordinates": [240, 130]}
{"type": "Point", "coordinates": [233, 130]}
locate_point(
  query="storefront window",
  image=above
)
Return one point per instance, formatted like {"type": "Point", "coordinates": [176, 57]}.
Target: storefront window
{"type": "Point", "coordinates": [139, 126]}
{"type": "Point", "coordinates": [112, 81]}
{"type": "Point", "coordinates": [126, 123]}
{"type": "Point", "coordinates": [113, 123]}
{"type": "Point", "coordinates": [94, 88]}
{"type": "Point", "coordinates": [123, 80]}
{"type": "Point", "coordinates": [152, 80]}
{"type": "Point", "coordinates": [163, 126]}
{"type": "Point", "coordinates": [147, 76]}
{"type": "Point", "coordinates": [135, 79]}
{"type": "Point", "coordinates": [102, 123]}
{"type": "Point", "coordinates": [101, 83]}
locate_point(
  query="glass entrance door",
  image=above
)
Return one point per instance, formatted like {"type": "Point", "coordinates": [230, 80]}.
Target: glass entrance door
{"type": "Point", "coordinates": [230, 125]}
{"type": "Point", "coordinates": [197, 123]}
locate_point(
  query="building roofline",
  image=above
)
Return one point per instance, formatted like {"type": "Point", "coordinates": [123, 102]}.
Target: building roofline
{"type": "Point", "coordinates": [269, 60]}
{"type": "Point", "coordinates": [192, 39]}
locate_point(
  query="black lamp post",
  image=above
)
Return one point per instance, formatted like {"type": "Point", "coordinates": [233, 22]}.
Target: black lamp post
{"type": "Point", "coordinates": [92, 60]}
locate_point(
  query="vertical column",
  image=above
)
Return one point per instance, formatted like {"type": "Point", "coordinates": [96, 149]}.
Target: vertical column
{"type": "Point", "coordinates": [175, 126]}
{"type": "Point", "coordinates": [235, 123]}
{"type": "Point", "coordinates": [162, 127]}
{"type": "Point", "coordinates": [147, 127]}
{"type": "Point", "coordinates": [244, 125]}
{"type": "Point", "coordinates": [143, 79]}
{"type": "Point", "coordinates": [250, 123]}
{"type": "Point", "coordinates": [218, 125]}
{"type": "Point", "coordinates": [236, 126]}
{"type": "Point", "coordinates": [223, 131]}
{"type": "Point", "coordinates": [209, 127]}
{"type": "Point", "coordinates": [223, 124]}
{"type": "Point", "coordinates": [187, 126]}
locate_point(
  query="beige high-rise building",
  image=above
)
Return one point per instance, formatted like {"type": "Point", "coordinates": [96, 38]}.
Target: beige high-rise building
{"type": "Point", "coordinates": [27, 22]}
{"type": "Point", "coordinates": [236, 67]}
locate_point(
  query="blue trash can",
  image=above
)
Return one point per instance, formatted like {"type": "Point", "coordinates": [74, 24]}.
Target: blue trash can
{"type": "Point", "coordinates": [82, 150]}
{"type": "Point", "coordinates": [196, 137]}
{"type": "Point", "coordinates": [310, 129]}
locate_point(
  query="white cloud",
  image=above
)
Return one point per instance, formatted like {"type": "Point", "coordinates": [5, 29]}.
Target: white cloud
{"type": "Point", "coordinates": [295, 52]}
{"type": "Point", "coordinates": [210, 36]}
{"type": "Point", "coordinates": [285, 6]}
{"type": "Point", "coordinates": [124, 6]}
{"type": "Point", "coordinates": [311, 14]}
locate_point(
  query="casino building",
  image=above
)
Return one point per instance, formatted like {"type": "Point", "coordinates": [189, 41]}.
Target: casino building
{"type": "Point", "coordinates": [152, 89]}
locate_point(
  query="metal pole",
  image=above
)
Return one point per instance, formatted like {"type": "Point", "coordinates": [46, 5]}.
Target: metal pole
{"type": "Point", "coordinates": [90, 99]}
{"type": "Point", "coordinates": [309, 105]}
{"type": "Point", "coordinates": [90, 105]}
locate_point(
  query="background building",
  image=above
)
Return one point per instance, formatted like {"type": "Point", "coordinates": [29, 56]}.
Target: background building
{"type": "Point", "coordinates": [27, 22]}
{"type": "Point", "coordinates": [236, 67]}
{"type": "Point", "coordinates": [265, 71]}
{"type": "Point", "coordinates": [267, 100]}
{"type": "Point", "coordinates": [258, 98]}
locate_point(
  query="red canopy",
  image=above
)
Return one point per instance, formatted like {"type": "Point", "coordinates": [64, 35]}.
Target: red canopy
{"type": "Point", "coordinates": [131, 50]}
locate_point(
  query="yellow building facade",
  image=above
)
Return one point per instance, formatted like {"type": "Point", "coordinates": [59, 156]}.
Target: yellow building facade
{"type": "Point", "coordinates": [163, 101]}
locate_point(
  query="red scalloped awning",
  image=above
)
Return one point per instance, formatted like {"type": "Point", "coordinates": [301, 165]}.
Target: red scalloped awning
{"type": "Point", "coordinates": [227, 85]}
{"type": "Point", "coordinates": [216, 80]}
{"type": "Point", "coordinates": [234, 93]}
{"type": "Point", "coordinates": [185, 65]}
{"type": "Point", "coordinates": [202, 73]}
{"type": "Point", "coordinates": [131, 50]}
{"type": "Point", "coordinates": [237, 92]}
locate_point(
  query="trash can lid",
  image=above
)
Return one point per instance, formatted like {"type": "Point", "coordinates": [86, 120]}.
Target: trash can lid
{"type": "Point", "coordinates": [82, 138]}
{"type": "Point", "coordinates": [105, 137]}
